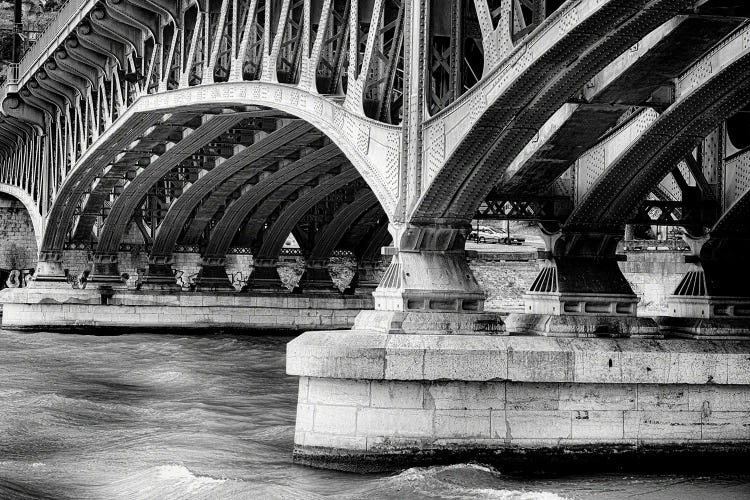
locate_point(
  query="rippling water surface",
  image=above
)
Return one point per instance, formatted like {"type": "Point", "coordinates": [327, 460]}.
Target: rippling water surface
{"type": "Point", "coordinates": [167, 416]}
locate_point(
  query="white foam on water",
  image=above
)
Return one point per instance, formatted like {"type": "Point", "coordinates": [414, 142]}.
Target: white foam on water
{"type": "Point", "coordinates": [462, 481]}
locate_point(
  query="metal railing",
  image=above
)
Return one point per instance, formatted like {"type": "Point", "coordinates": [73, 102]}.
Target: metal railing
{"type": "Point", "coordinates": [14, 74]}
{"type": "Point", "coordinates": [66, 19]}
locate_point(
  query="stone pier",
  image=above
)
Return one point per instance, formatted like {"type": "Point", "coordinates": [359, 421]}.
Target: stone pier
{"type": "Point", "coordinates": [371, 401]}
{"type": "Point", "coordinates": [132, 310]}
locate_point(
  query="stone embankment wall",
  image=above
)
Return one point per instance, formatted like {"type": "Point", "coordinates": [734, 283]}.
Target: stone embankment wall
{"type": "Point", "coordinates": [18, 248]}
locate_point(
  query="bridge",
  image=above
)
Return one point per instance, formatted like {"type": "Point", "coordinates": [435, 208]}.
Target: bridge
{"type": "Point", "coordinates": [193, 134]}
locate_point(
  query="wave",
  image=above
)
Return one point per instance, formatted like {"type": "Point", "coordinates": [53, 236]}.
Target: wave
{"type": "Point", "coordinates": [460, 481]}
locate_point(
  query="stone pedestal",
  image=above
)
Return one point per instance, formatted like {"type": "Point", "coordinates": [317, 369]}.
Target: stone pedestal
{"type": "Point", "coordinates": [317, 278]}
{"type": "Point", "coordinates": [160, 276]}
{"type": "Point", "coordinates": [106, 272]}
{"type": "Point", "coordinates": [581, 292]}
{"type": "Point", "coordinates": [265, 277]}
{"type": "Point", "coordinates": [429, 287]}
{"type": "Point", "coordinates": [213, 276]}
{"type": "Point", "coordinates": [581, 297]}
{"type": "Point", "coordinates": [713, 298]}
{"type": "Point", "coordinates": [370, 402]}
{"type": "Point", "coordinates": [50, 272]}
{"type": "Point", "coordinates": [366, 278]}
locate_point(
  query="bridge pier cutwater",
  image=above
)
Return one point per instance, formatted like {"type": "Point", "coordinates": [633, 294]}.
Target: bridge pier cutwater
{"type": "Point", "coordinates": [167, 150]}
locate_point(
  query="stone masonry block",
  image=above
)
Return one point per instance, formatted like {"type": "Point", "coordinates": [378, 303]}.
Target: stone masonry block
{"type": "Point", "coordinates": [340, 420]}
{"type": "Point", "coordinates": [335, 441]}
{"type": "Point", "coordinates": [304, 384]}
{"type": "Point", "coordinates": [738, 369]}
{"type": "Point", "coordinates": [649, 367]}
{"type": "Point", "coordinates": [464, 357]}
{"type": "Point", "coordinates": [597, 396]}
{"type": "Point", "coordinates": [462, 423]}
{"type": "Point", "coordinates": [339, 392]}
{"type": "Point", "coordinates": [532, 396]}
{"type": "Point", "coordinates": [676, 426]}
{"type": "Point", "coordinates": [541, 366]}
{"type": "Point", "coordinates": [538, 424]}
{"type": "Point", "coordinates": [396, 394]}
{"type": "Point", "coordinates": [662, 397]}
{"type": "Point", "coordinates": [719, 398]}
{"type": "Point", "coordinates": [726, 425]}
{"type": "Point", "coordinates": [702, 368]}
{"type": "Point", "coordinates": [598, 424]}
{"type": "Point", "coordinates": [465, 395]}
{"type": "Point", "coordinates": [395, 422]}
{"type": "Point", "coordinates": [305, 417]}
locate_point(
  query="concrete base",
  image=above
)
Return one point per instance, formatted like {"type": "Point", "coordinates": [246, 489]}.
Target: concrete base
{"type": "Point", "coordinates": [370, 401]}
{"type": "Point", "coordinates": [710, 328]}
{"type": "Point", "coordinates": [588, 326]}
{"type": "Point", "coordinates": [430, 323]}
{"type": "Point", "coordinates": [122, 310]}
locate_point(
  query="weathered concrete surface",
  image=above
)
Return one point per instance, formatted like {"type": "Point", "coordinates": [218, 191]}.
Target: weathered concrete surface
{"type": "Point", "coordinates": [551, 325]}
{"type": "Point", "coordinates": [369, 401]}
{"type": "Point", "coordinates": [126, 309]}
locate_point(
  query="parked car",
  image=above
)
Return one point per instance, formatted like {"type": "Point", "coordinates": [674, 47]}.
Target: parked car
{"type": "Point", "coordinates": [486, 234]}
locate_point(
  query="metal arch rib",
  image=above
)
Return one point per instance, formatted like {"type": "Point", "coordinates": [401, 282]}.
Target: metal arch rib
{"type": "Point", "coordinates": [274, 239]}
{"type": "Point", "coordinates": [224, 232]}
{"type": "Point", "coordinates": [245, 164]}
{"type": "Point", "coordinates": [131, 197]}
{"type": "Point", "coordinates": [328, 239]}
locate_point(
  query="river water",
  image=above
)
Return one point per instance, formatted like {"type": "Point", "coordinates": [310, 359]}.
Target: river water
{"type": "Point", "coordinates": [170, 417]}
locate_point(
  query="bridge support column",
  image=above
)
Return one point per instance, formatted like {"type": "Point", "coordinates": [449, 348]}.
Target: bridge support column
{"type": "Point", "coordinates": [50, 271]}
{"type": "Point", "coordinates": [159, 275]}
{"type": "Point", "coordinates": [213, 275]}
{"type": "Point", "coordinates": [366, 278]}
{"type": "Point", "coordinates": [106, 271]}
{"type": "Point", "coordinates": [265, 276]}
{"type": "Point", "coordinates": [581, 292]}
{"type": "Point", "coordinates": [428, 287]}
{"type": "Point", "coordinates": [317, 278]}
{"type": "Point", "coordinates": [713, 298]}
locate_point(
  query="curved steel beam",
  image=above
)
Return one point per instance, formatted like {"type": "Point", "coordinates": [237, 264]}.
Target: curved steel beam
{"type": "Point", "coordinates": [41, 104]}
{"type": "Point", "coordinates": [63, 90]}
{"type": "Point", "coordinates": [277, 233]}
{"type": "Point", "coordinates": [663, 145]}
{"type": "Point", "coordinates": [274, 190]}
{"type": "Point", "coordinates": [15, 107]}
{"type": "Point", "coordinates": [135, 16]}
{"type": "Point", "coordinates": [102, 44]}
{"type": "Point", "coordinates": [109, 27]}
{"type": "Point", "coordinates": [239, 169]}
{"type": "Point", "coordinates": [535, 88]}
{"type": "Point", "coordinates": [87, 56]}
{"type": "Point", "coordinates": [64, 77]}
{"type": "Point", "coordinates": [39, 91]}
{"type": "Point", "coordinates": [83, 70]}
{"type": "Point", "coordinates": [328, 239]}
{"type": "Point", "coordinates": [126, 204]}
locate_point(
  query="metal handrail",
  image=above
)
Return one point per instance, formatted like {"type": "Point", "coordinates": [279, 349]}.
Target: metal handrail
{"type": "Point", "coordinates": [66, 19]}
{"type": "Point", "coordinates": [13, 74]}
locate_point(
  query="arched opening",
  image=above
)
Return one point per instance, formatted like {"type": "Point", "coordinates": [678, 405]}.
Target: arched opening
{"type": "Point", "coordinates": [18, 243]}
